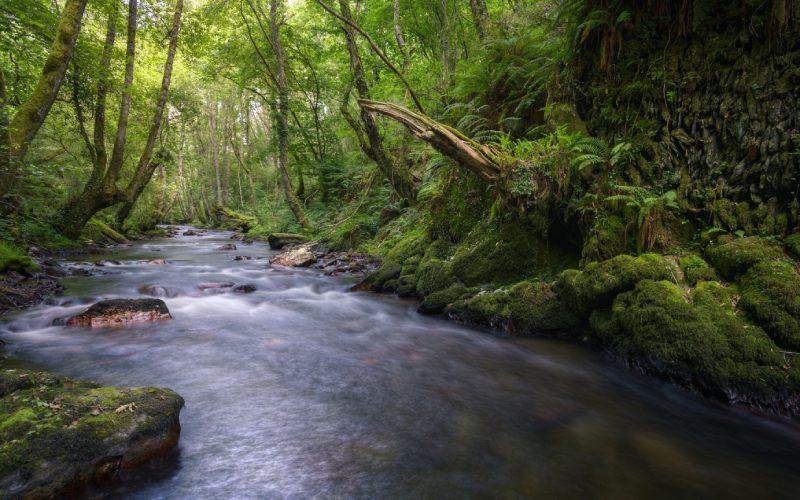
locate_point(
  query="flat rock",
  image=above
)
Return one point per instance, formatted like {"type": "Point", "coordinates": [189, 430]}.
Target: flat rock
{"type": "Point", "coordinates": [277, 241]}
{"type": "Point", "coordinates": [121, 312]}
{"type": "Point", "coordinates": [58, 434]}
{"type": "Point", "coordinates": [297, 256]}
{"type": "Point", "coordinates": [156, 262]}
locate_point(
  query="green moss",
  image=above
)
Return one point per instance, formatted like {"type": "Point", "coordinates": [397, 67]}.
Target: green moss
{"type": "Point", "coordinates": [724, 214]}
{"type": "Point", "coordinates": [732, 256]}
{"type": "Point", "coordinates": [696, 269]}
{"type": "Point", "coordinates": [770, 293]}
{"type": "Point", "coordinates": [599, 283]}
{"type": "Point", "coordinates": [526, 308]}
{"type": "Point", "coordinates": [12, 259]}
{"type": "Point", "coordinates": [436, 302]}
{"type": "Point", "coordinates": [53, 434]}
{"type": "Point", "coordinates": [700, 341]}
{"type": "Point", "coordinates": [233, 220]}
{"type": "Point", "coordinates": [505, 253]}
{"type": "Point", "coordinates": [792, 245]}
{"type": "Point", "coordinates": [99, 232]}
{"type": "Point", "coordinates": [606, 239]}
{"type": "Point", "coordinates": [434, 275]}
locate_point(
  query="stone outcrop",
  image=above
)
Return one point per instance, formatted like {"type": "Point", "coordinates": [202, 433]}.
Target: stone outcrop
{"type": "Point", "coordinates": [121, 312]}
{"type": "Point", "coordinates": [58, 434]}
{"type": "Point", "coordinates": [278, 241]}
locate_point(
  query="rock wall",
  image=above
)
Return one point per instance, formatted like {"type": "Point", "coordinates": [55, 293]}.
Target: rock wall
{"type": "Point", "coordinates": [718, 111]}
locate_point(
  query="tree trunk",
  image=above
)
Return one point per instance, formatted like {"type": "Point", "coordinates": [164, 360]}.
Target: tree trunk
{"type": "Point", "coordinates": [282, 116]}
{"type": "Point", "coordinates": [118, 153]}
{"type": "Point", "coordinates": [480, 159]}
{"type": "Point", "coordinates": [399, 177]}
{"type": "Point", "coordinates": [147, 164]}
{"type": "Point", "coordinates": [214, 150]}
{"type": "Point", "coordinates": [20, 132]}
{"type": "Point", "coordinates": [480, 16]}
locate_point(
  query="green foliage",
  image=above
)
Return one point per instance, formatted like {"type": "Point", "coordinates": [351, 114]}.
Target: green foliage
{"type": "Point", "coordinates": [696, 269]}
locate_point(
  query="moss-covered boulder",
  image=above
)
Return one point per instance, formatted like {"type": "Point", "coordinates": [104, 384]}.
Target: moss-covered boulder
{"type": "Point", "coordinates": [58, 434]}
{"type": "Point", "coordinates": [121, 312]}
{"type": "Point", "coordinates": [230, 219]}
{"type": "Point", "coordinates": [699, 340]}
{"type": "Point", "coordinates": [527, 308]}
{"type": "Point", "coordinates": [696, 269]}
{"type": "Point", "coordinates": [792, 245]}
{"type": "Point", "coordinates": [502, 254]}
{"type": "Point", "coordinates": [436, 302]}
{"type": "Point", "coordinates": [277, 241]}
{"type": "Point", "coordinates": [102, 234]}
{"type": "Point", "coordinates": [733, 256]}
{"type": "Point", "coordinates": [596, 286]}
{"type": "Point", "coordinates": [770, 293]}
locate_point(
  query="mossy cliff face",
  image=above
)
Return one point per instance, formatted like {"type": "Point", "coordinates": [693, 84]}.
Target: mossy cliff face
{"type": "Point", "coordinates": [57, 434]}
{"type": "Point", "coordinates": [716, 108]}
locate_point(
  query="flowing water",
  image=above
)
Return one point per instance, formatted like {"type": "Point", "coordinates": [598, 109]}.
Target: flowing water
{"type": "Point", "coordinates": [302, 389]}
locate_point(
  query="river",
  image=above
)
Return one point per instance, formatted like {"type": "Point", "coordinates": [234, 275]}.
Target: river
{"type": "Point", "coordinates": [303, 390]}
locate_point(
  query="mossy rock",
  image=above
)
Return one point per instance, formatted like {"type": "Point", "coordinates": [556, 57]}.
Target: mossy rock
{"type": "Point", "coordinates": [57, 434]}
{"type": "Point", "coordinates": [277, 241]}
{"type": "Point", "coordinates": [12, 259]}
{"type": "Point", "coordinates": [607, 238]}
{"type": "Point", "coordinates": [527, 308]}
{"type": "Point", "coordinates": [436, 302]}
{"type": "Point", "coordinates": [699, 341]}
{"type": "Point", "coordinates": [770, 293]}
{"type": "Point", "coordinates": [505, 253]}
{"type": "Point", "coordinates": [733, 256]}
{"type": "Point", "coordinates": [696, 269]}
{"type": "Point", "coordinates": [434, 275]}
{"type": "Point", "coordinates": [792, 245]}
{"type": "Point", "coordinates": [233, 220]}
{"type": "Point", "coordinates": [596, 286]}
{"type": "Point", "coordinates": [101, 233]}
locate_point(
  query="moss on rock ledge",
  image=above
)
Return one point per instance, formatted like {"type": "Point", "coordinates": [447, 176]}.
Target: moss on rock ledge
{"type": "Point", "coordinates": [698, 340]}
{"type": "Point", "coordinates": [57, 434]}
{"type": "Point", "coordinates": [771, 295]}
{"type": "Point", "coordinates": [734, 256]}
{"type": "Point", "coordinates": [526, 308]}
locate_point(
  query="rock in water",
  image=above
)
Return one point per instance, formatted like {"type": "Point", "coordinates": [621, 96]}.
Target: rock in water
{"type": "Point", "coordinates": [299, 256]}
{"type": "Point", "coordinates": [57, 434]}
{"type": "Point", "coordinates": [189, 233]}
{"type": "Point", "coordinates": [121, 312]}
{"type": "Point", "coordinates": [156, 262]}
{"type": "Point", "coordinates": [212, 286]}
{"type": "Point", "coordinates": [242, 258]}
{"type": "Point", "coordinates": [158, 291]}
{"type": "Point", "coordinates": [227, 246]}
{"type": "Point", "coordinates": [245, 288]}
{"type": "Point", "coordinates": [279, 240]}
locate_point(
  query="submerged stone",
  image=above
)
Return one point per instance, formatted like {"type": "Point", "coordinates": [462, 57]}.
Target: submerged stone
{"type": "Point", "coordinates": [121, 312]}
{"type": "Point", "coordinates": [58, 434]}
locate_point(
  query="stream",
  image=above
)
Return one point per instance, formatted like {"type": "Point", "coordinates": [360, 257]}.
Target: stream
{"type": "Point", "coordinates": [302, 389]}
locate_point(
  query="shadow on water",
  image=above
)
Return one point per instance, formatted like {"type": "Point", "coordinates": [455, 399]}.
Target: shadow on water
{"type": "Point", "coordinates": [302, 389]}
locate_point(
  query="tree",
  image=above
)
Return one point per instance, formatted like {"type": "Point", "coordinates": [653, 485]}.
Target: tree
{"type": "Point", "coordinates": [23, 127]}
{"type": "Point", "coordinates": [102, 191]}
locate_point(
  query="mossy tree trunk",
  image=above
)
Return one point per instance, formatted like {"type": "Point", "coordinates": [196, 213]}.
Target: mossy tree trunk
{"type": "Point", "coordinates": [480, 159]}
{"type": "Point", "coordinates": [480, 16]}
{"type": "Point", "coordinates": [398, 175]}
{"type": "Point", "coordinates": [282, 116]}
{"type": "Point", "coordinates": [23, 127]}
